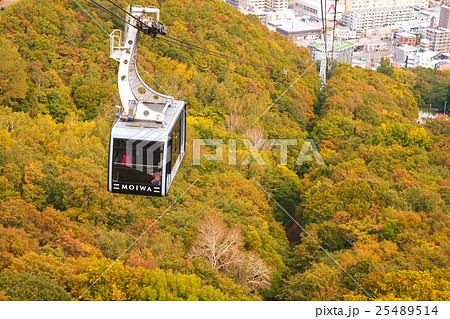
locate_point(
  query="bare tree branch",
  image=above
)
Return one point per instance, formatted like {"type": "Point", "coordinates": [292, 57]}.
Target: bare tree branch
{"type": "Point", "coordinates": [220, 247]}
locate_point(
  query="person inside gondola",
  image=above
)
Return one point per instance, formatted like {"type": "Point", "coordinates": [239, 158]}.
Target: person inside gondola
{"type": "Point", "coordinates": [156, 181]}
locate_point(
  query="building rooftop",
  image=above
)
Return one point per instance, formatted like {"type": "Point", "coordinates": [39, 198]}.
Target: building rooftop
{"type": "Point", "coordinates": [435, 9]}
{"type": "Point", "coordinates": [369, 39]}
{"type": "Point", "coordinates": [426, 54]}
{"type": "Point", "coordinates": [421, 15]}
{"type": "Point", "coordinates": [406, 47]}
{"type": "Point", "coordinates": [438, 29]}
{"type": "Point", "coordinates": [139, 130]}
{"type": "Point", "coordinates": [406, 35]}
{"type": "Point", "coordinates": [381, 9]}
{"type": "Point", "coordinates": [293, 26]}
{"type": "Point", "coordinates": [338, 45]}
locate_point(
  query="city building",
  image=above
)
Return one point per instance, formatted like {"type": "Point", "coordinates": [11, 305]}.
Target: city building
{"type": "Point", "coordinates": [407, 38]}
{"type": "Point", "coordinates": [343, 51]}
{"type": "Point", "coordinates": [257, 4]}
{"type": "Point", "coordinates": [384, 32]}
{"type": "Point", "coordinates": [238, 4]}
{"type": "Point", "coordinates": [265, 10]}
{"type": "Point", "coordinates": [261, 14]}
{"type": "Point", "coordinates": [443, 65]}
{"type": "Point", "coordinates": [313, 7]}
{"type": "Point", "coordinates": [402, 52]}
{"type": "Point", "coordinates": [377, 18]}
{"type": "Point", "coordinates": [375, 46]}
{"type": "Point", "coordinates": [423, 18]}
{"type": "Point", "coordinates": [426, 59]}
{"type": "Point", "coordinates": [277, 5]}
{"type": "Point", "coordinates": [371, 44]}
{"type": "Point", "coordinates": [269, 5]}
{"type": "Point", "coordinates": [280, 15]}
{"type": "Point", "coordinates": [423, 116]}
{"type": "Point", "coordinates": [432, 14]}
{"type": "Point", "coordinates": [345, 33]}
{"type": "Point", "coordinates": [298, 30]}
{"type": "Point", "coordinates": [426, 45]}
{"type": "Point", "coordinates": [437, 39]}
{"type": "Point", "coordinates": [444, 17]}
{"type": "Point", "coordinates": [412, 27]}
{"type": "Point", "coordinates": [358, 5]}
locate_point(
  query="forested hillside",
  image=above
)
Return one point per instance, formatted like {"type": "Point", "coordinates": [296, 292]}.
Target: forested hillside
{"type": "Point", "coordinates": [379, 207]}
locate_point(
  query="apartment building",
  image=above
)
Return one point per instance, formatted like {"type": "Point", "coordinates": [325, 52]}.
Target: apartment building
{"type": "Point", "coordinates": [444, 17]}
{"type": "Point", "coordinates": [257, 4]}
{"type": "Point", "coordinates": [352, 5]}
{"type": "Point", "coordinates": [427, 59]}
{"type": "Point", "coordinates": [377, 18]}
{"type": "Point", "coordinates": [343, 51]}
{"type": "Point", "coordinates": [314, 8]}
{"type": "Point", "coordinates": [277, 5]}
{"type": "Point", "coordinates": [406, 38]}
{"type": "Point", "coordinates": [402, 52]}
{"type": "Point", "coordinates": [238, 4]}
{"type": "Point", "coordinates": [437, 40]}
{"type": "Point", "coordinates": [270, 5]}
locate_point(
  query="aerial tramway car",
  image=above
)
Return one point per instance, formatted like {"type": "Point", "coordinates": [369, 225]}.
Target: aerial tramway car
{"type": "Point", "coordinates": [148, 140]}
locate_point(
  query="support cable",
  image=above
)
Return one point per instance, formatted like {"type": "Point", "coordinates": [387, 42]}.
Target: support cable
{"type": "Point", "coordinates": [186, 44]}
{"type": "Point", "coordinates": [334, 29]}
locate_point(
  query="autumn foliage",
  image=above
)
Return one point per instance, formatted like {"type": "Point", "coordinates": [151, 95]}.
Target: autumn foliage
{"type": "Point", "coordinates": [379, 207]}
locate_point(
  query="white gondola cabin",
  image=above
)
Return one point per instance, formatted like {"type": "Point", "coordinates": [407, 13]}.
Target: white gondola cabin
{"type": "Point", "coordinates": [148, 140]}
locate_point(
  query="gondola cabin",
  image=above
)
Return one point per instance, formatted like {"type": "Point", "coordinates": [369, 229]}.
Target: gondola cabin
{"type": "Point", "coordinates": [148, 140]}
{"type": "Point", "coordinates": [144, 156]}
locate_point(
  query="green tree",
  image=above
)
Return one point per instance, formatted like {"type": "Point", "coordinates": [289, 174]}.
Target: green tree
{"type": "Point", "coordinates": [13, 78]}
{"type": "Point", "coordinates": [159, 285]}
{"type": "Point", "coordinates": [386, 67]}
{"type": "Point", "coordinates": [28, 286]}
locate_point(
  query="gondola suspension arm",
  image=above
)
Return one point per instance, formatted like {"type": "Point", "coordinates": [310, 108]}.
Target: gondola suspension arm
{"type": "Point", "coordinates": [139, 101]}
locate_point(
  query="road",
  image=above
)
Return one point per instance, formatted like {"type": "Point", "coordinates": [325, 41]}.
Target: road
{"type": "Point", "coordinates": [5, 3]}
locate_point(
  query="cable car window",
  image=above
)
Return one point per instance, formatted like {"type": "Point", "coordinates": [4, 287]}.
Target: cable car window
{"type": "Point", "coordinates": [176, 142]}
{"type": "Point", "coordinates": [137, 162]}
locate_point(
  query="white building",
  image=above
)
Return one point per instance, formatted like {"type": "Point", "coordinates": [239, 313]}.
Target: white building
{"type": "Point", "coordinates": [379, 31]}
{"type": "Point", "coordinates": [265, 10]}
{"type": "Point", "coordinates": [345, 33]}
{"type": "Point", "coordinates": [432, 15]}
{"type": "Point", "coordinates": [358, 5]}
{"type": "Point", "coordinates": [273, 16]}
{"type": "Point", "coordinates": [238, 4]}
{"type": "Point", "coordinates": [257, 4]}
{"type": "Point", "coordinates": [371, 44]}
{"type": "Point", "coordinates": [402, 52]}
{"type": "Point", "coordinates": [413, 27]}
{"type": "Point", "coordinates": [343, 51]}
{"type": "Point", "coordinates": [426, 59]}
{"type": "Point", "coordinates": [298, 30]}
{"type": "Point", "coordinates": [377, 18]}
{"type": "Point", "coordinates": [277, 5]}
{"type": "Point", "coordinates": [314, 8]}
{"type": "Point", "coordinates": [375, 46]}
{"type": "Point", "coordinates": [270, 5]}
{"type": "Point", "coordinates": [423, 116]}
{"type": "Point", "coordinates": [436, 39]}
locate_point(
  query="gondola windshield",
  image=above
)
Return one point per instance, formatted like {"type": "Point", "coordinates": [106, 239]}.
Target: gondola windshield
{"type": "Point", "coordinates": [136, 163]}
